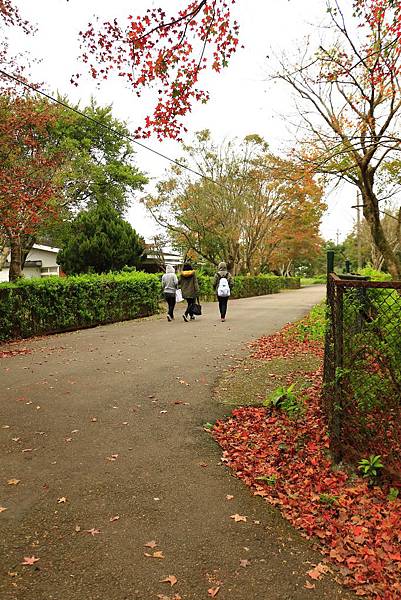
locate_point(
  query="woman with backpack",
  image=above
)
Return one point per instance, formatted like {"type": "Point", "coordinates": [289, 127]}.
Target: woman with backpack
{"type": "Point", "coordinates": [222, 284]}
{"type": "Point", "coordinates": [190, 289]}
{"type": "Point", "coordinates": [169, 286]}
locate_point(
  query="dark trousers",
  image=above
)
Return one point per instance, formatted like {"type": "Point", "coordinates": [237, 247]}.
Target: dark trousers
{"type": "Point", "coordinates": [190, 307]}
{"type": "Point", "coordinates": [170, 299]}
{"type": "Point", "coordinates": [223, 301]}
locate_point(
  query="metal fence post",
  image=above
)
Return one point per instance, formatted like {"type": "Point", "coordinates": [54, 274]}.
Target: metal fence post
{"type": "Point", "coordinates": [337, 415]}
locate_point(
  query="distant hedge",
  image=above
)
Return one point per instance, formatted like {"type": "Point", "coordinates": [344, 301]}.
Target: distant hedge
{"type": "Point", "coordinates": [55, 304]}
{"type": "Point", "coordinates": [36, 306]}
{"type": "Point", "coordinates": [248, 285]}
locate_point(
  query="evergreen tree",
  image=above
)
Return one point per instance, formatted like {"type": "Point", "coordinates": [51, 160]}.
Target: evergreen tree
{"type": "Point", "coordinates": [99, 241]}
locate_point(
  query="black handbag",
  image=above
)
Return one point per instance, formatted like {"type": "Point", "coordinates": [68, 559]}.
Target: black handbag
{"type": "Point", "coordinates": [197, 308]}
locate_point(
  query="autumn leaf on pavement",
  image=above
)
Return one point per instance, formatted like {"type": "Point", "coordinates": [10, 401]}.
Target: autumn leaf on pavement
{"type": "Point", "coordinates": [13, 481]}
{"type": "Point", "coordinates": [238, 518]}
{"type": "Point", "coordinates": [318, 571]}
{"type": "Point", "coordinates": [158, 554]}
{"type": "Point", "coordinates": [30, 560]}
{"type": "Point", "coordinates": [112, 457]}
{"type": "Point", "coordinates": [244, 562]}
{"type": "Point", "coordinates": [171, 579]}
{"type": "Point", "coordinates": [93, 531]}
{"type": "Point", "coordinates": [151, 544]}
{"type": "Point", "coordinates": [213, 591]}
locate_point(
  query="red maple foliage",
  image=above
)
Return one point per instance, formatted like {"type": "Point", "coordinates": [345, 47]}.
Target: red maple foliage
{"type": "Point", "coordinates": [11, 17]}
{"type": "Point", "coordinates": [286, 461]}
{"type": "Point", "coordinates": [28, 168]}
{"type": "Point", "coordinates": [171, 52]}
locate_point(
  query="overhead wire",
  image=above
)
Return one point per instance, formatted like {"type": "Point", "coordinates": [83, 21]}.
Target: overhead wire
{"type": "Point", "coordinates": [110, 129]}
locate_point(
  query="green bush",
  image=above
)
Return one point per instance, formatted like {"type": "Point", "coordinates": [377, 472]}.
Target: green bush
{"type": "Point", "coordinates": [375, 275]}
{"type": "Point", "coordinates": [246, 286]}
{"type": "Point", "coordinates": [36, 306]}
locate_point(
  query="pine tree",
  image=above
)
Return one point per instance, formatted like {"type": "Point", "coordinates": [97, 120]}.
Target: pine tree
{"type": "Point", "coordinates": [100, 241]}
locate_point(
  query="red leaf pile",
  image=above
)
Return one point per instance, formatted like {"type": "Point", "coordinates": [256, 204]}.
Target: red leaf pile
{"type": "Point", "coordinates": [287, 462]}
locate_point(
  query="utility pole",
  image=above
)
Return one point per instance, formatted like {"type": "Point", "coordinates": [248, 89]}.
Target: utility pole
{"type": "Point", "coordinates": [337, 237]}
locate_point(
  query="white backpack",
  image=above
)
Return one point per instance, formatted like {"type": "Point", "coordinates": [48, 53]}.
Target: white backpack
{"type": "Point", "coordinates": [224, 289]}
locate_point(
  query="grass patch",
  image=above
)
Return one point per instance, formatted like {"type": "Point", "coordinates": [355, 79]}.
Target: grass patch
{"type": "Point", "coordinates": [252, 381]}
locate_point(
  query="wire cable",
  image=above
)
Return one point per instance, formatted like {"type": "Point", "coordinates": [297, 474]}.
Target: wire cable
{"type": "Point", "coordinates": [100, 124]}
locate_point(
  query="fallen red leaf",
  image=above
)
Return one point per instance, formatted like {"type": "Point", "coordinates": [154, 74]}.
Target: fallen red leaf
{"type": "Point", "coordinates": [30, 560]}
{"type": "Point", "coordinates": [171, 579]}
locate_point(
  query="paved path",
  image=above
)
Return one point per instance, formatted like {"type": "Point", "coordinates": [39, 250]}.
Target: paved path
{"type": "Point", "coordinates": [100, 418]}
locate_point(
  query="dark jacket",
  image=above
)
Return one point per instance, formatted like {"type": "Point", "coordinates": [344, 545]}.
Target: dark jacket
{"type": "Point", "coordinates": [222, 272]}
{"type": "Point", "coordinates": [189, 284]}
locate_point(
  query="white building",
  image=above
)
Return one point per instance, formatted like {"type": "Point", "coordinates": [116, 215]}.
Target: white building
{"type": "Point", "coordinates": [40, 262]}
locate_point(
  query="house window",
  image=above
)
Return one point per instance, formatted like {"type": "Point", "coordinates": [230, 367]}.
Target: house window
{"type": "Point", "coordinates": [49, 271]}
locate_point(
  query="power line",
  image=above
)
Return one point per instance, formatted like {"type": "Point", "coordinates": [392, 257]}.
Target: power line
{"type": "Point", "coordinates": [100, 124]}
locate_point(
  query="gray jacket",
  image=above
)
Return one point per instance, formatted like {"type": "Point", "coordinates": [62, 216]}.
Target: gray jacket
{"type": "Point", "coordinates": [169, 281]}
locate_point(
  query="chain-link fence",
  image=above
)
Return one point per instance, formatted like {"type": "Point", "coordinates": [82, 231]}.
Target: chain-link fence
{"type": "Point", "coordinates": [362, 371]}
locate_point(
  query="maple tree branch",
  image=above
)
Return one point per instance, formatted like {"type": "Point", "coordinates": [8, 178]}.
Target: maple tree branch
{"type": "Point", "coordinates": [188, 16]}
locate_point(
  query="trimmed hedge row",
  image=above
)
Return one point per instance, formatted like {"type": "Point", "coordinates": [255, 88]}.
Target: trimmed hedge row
{"type": "Point", "coordinates": [250, 285]}
{"type": "Point", "coordinates": [37, 306]}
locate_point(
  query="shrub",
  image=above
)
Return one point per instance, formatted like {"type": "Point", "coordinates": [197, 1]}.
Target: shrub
{"type": "Point", "coordinates": [36, 306]}
{"type": "Point", "coordinates": [246, 286]}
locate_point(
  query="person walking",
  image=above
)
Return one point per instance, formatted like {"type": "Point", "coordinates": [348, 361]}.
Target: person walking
{"type": "Point", "coordinates": [169, 286]}
{"type": "Point", "coordinates": [222, 284]}
{"type": "Point", "coordinates": [189, 285]}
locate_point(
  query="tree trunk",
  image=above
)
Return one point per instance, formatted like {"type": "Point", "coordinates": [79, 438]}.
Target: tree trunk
{"type": "Point", "coordinates": [27, 242]}
{"type": "Point", "coordinates": [15, 262]}
{"type": "Point", "coordinates": [372, 216]}
{"type": "Point", "coordinates": [4, 252]}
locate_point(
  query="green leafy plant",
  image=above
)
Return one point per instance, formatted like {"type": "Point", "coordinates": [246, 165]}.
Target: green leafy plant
{"type": "Point", "coordinates": [328, 499]}
{"type": "Point", "coordinates": [286, 400]}
{"type": "Point", "coordinates": [393, 494]}
{"type": "Point", "coordinates": [208, 426]}
{"type": "Point", "coordinates": [370, 466]}
{"type": "Point", "coordinates": [313, 327]}
{"type": "Point", "coordinates": [269, 479]}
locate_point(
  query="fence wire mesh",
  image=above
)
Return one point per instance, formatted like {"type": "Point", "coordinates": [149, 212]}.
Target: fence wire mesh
{"type": "Point", "coordinates": [362, 375]}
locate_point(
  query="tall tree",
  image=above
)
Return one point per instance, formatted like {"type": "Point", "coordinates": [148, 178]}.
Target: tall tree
{"type": "Point", "coordinates": [350, 103]}
{"type": "Point", "coordinates": [101, 165]}
{"type": "Point", "coordinates": [233, 213]}
{"type": "Point", "coordinates": [99, 241]}
{"type": "Point", "coordinates": [29, 172]}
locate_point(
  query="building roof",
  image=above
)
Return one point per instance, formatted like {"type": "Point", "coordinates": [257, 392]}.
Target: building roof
{"type": "Point", "coordinates": [46, 248]}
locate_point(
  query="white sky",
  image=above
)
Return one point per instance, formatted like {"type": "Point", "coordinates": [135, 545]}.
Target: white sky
{"type": "Point", "coordinates": [243, 100]}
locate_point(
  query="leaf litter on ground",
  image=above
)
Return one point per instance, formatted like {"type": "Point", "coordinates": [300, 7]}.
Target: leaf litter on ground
{"type": "Point", "coordinates": [359, 533]}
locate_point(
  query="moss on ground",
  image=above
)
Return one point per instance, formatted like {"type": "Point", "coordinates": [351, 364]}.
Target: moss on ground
{"type": "Point", "coordinates": [252, 380]}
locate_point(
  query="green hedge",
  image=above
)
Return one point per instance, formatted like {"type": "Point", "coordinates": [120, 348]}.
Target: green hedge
{"type": "Point", "coordinates": [247, 286]}
{"type": "Point", "coordinates": [36, 306]}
